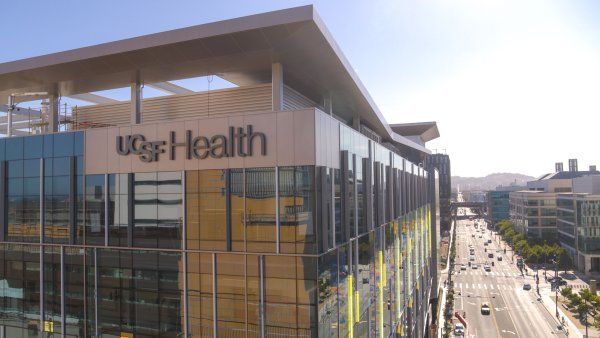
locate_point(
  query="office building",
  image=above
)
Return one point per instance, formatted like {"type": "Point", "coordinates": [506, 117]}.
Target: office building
{"type": "Point", "coordinates": [498, 206]}
{"type": "Point", "coordinates": [578, 222]}
{"type": "Point", "coordinates": [284, 205]}
{"type": "Point", "coordinates": [442, 163]}
{"type": "Point", "coordinates": [533, 211]}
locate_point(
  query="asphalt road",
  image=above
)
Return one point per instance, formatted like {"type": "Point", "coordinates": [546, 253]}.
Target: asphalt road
{"type": "Point", "coordinates": [514, 312]}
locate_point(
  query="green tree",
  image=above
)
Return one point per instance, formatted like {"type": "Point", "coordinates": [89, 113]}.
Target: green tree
{"type": "Point", "coordinates": [565, 262]}
{"type": "Point", "coordinates": [583, 309]}
{"type": "Point", "coordinates": [574, 300]}
{"type": "Point", "coordinates": [566, 292]}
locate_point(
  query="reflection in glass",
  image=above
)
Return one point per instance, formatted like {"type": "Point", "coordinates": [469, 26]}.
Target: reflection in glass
{"type": "Point", "coordinates": [260, 216]}
{"type": "Point", "coordinates": [328, 303]}
{"type": "Point", "coordinates": [231, 294]}
{"type": "Point", "coordinates": [157, 210]}
{"type": "Point", "coordinates": [290, 296]}
{"type": "Point", "coordinates": [118, 211]}
{"type": "Point", "coordinates": [296, 210]}
{"type": "Point", "coordinates": [206, 209]}
{"type": "Point", "coordinates": [94, 211]}
{"type": "Point", "coordinates": [200, 294]}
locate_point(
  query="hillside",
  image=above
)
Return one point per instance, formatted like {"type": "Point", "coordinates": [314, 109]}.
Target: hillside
{"type": "Point", "coordinates": [489, 182]}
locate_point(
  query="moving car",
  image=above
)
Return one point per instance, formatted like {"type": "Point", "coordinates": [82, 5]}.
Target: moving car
{"type": "Point", "coordinates": [527, 286]}
{"type": "Point", "coordinates": [459, 329]}
{"type": "Point", "coordinates": [485, 309]}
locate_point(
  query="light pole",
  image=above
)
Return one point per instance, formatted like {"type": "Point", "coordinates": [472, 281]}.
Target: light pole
{"type": "Point", "coordinates": [556, 285]}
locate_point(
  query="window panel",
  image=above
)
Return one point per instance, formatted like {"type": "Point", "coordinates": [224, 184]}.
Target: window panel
{"type": "Point", "coordinates": [260, 215]}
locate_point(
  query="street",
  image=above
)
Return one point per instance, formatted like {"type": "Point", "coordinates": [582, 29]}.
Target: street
{"type": "Point", "coordinates": [514, 312]}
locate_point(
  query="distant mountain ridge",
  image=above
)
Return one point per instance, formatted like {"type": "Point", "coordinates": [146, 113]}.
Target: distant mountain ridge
{"type": "Point", "coordinates": [489, 182]}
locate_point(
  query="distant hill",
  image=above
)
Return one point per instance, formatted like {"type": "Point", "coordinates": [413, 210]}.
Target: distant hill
{"type": "Point", "coordinates": [489, 182]}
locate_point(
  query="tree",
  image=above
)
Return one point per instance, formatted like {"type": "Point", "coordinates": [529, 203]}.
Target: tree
{"type": "Point", "coordinates": [583, 309]}
{"type": "Point", "coordinates": [586, 295]}
{"type": "Point", "coordinates": [566, 292]}
{"type": "Point", "coordinates": [574, 300]}
{"type": "Point", "coordinates": [565, 262]}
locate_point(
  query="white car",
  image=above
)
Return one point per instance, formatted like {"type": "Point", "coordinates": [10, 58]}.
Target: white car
{"type": "Point", "coordinates": [459, 329]}
{"type": "Point", "coordinates": [463, 267]}
{"type": "Point", "coordinates": [487, 268]}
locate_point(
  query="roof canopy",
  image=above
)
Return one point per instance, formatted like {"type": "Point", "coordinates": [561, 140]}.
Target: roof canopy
{"type": "Point", "coordinates": [239, 50]}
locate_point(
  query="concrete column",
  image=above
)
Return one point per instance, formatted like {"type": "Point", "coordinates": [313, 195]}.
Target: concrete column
{"type": "Point", "coordinates": [11, 103]}
{"type": "Point", "coordinates": [136, 103]}
{"type": "Point", "coordinates": [356, 123]}
{"type": "Point", "coordinates": [277, 86]}
{"type": "Point", "coordinates": [53, 109]}
{"type": "Point", "coordinates": [587, 265]}
{"type": "Point", "coordinates": [328, 104]}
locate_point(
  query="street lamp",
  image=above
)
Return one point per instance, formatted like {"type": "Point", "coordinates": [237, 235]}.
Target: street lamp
{"type": "Point", "coordinates": [556, 284]}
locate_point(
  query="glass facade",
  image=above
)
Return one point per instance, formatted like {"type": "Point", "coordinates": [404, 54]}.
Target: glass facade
{"type": "Point", "coordinates": [303, 251]}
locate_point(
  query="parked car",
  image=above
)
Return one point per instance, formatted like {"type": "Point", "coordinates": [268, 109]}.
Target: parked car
{"type": "Point", "coordinates": [499, 258]}
{"type": "Point", "coordinates": [463, 267]}
{"type": "Point", "coordinates": [487, 268]}
{"type": "Point", "coordinates": [527, 286]}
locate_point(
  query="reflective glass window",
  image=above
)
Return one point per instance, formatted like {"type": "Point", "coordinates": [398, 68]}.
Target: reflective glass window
{"type": "Point", "coordinates": [33, 147]}
{"type": "Point", "coordinates": [200, 294]}
{"type": "Point", "coordinates": [14, 148]}
{"type": "Point", "coordinates": [260, 219]}
{"type": "Point", "coordinates": [118, 209]}
{"type": "Point", "coordinates": [95, 209]}
{"type": "Point", "coordinates": [238, 230]}
{"type": "Point", "coordinates": [206, 209]}
{"type": "Point", "coordinates": [290, 295]}
{"type": "Point", "coordinates": [296, 210]}
{"type": "Point", "coordinates": [63, 144]}
{"type": "Point", "coordinates": [231, 294]}
{"type": "Point", "coordinates": [328, 301]}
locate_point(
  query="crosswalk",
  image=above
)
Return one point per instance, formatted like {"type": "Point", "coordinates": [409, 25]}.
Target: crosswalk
{"type": "Point", "coordinates": [492, 273]}
{"type": "Point", "coordinates": [484, 286]}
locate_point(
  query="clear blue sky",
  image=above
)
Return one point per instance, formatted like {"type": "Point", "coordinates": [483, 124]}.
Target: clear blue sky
{"type": "Point", "coordinates": [513, 85]}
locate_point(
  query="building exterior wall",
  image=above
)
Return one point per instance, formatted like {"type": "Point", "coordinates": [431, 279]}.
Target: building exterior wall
{"type": "Point", "coordinates": [534, 213]}
{"type": "Point", "coordinates": [442, 163]}
{"type": "Point", "coordinates": [579, 229]}
{"type": "Point", "coordinates": [325, 233]}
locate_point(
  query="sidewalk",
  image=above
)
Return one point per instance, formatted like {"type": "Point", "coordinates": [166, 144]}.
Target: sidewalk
{"type": "Point", "coordinates": [549, 304]}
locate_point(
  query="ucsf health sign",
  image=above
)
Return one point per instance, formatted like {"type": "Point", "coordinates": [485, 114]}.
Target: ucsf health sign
{"type": "Point", "coordinates": [239, 142]}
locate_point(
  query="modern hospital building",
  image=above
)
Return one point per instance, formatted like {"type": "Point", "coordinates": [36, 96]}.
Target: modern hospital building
{"type": "Point", "coordinates": [283, 205]}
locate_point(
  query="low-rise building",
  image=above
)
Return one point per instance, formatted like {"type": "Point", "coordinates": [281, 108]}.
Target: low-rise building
{"type": "Point", "coordinates": [498, 203]}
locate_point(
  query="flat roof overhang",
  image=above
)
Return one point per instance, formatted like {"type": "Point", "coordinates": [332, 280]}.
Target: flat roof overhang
{"type": "Point", "coordinates": [240, 50]}
{"type": "Point", "coordinates": [427, 131]}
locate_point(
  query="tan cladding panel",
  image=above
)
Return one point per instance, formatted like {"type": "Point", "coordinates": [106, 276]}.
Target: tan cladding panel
{"type": "Point", "coordinates": [185, 106]}
{"type": "Point", "coordinates": [327, 138]}
{"type": "Point", "coordinates": [289, 140]}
